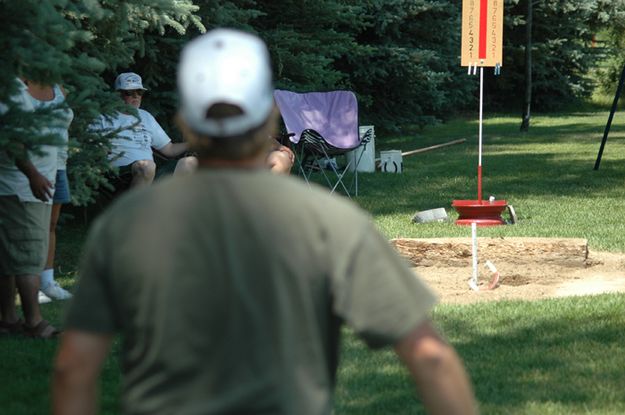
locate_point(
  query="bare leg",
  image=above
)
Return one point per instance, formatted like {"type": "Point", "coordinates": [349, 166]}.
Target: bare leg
{"type": "Point", "coordinates": [54, 218]}
{"type": "Point", "coordinates": [185, 165]}
{"type": "Point", "coordinates": [7, 299]}
{"type": "Point", "coordinates": [279, 162]}
{"type": "Point", "coordinates": [28, 289]}
{"type": "Point", "coordinates": [50, 289]}
{"type": "Point", "coordinates": [143, 172]}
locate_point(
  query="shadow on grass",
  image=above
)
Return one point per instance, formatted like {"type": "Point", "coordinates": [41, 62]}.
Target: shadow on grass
{"type": "Point", "coordinates": [565, 351]}
{"type": "Point", "coordinates": [513, 168]}
{"type": "Point", "coordinates": [562, 354]}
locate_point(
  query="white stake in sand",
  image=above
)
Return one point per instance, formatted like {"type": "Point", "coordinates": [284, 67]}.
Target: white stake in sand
{"type": "Point", "coordinates": [473, 280]}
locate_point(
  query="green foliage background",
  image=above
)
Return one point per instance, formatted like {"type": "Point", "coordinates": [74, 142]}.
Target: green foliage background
{"type": "Point", "coordinates": [76, 43]}
{"type": "Point", "coordinates": [563, 50]}
{"type": "Point", "coordinates": [401, 57]}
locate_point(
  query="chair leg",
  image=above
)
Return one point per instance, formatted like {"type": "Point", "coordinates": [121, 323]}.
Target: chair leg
{"type": "Point", "coordinates": [318, 153]}
{"type": "Point", "coordinates": [301, 159]}
{"type": "Point", "coordinates": [362, 148]}
{"type": "Point", "coordinates": [325, 175]}
{"type": "Point", "coordinates": [339, 179]}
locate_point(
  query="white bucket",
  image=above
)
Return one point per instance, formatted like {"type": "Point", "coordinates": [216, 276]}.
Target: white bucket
{"type": "Point", "coordinates": [367, 161]}
{"type": "Point", "coordinates": [391, 161]}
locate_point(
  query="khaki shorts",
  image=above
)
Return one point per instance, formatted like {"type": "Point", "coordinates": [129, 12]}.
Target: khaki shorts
{"type": "Point", "coordinates": [24, 234]}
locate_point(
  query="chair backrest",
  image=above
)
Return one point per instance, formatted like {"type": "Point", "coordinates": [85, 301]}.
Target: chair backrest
{"type": "Point", "coordinates": [334, 115]}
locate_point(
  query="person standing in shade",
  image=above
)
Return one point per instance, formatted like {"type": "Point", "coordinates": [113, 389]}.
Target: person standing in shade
{"type": "Point", "coordinates": [53, 96]}
{"type": "Point", "coordinates": [240, 311]}
{"type": "Point", "coordinates": [26, 190]}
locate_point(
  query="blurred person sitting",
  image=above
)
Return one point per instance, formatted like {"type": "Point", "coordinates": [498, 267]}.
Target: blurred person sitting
{"type": "Point", "coordinates": [280, 158]}
{"type": "Point", "coordinates": [241, 311]}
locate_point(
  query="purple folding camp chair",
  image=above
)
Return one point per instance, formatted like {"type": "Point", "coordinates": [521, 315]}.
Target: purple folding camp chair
{"type": "Point", "coordinates": [323, 125]}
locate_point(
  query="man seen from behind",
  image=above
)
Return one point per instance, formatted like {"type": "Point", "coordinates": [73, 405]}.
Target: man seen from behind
{"type": "Point", "coordinates": [236, 306]}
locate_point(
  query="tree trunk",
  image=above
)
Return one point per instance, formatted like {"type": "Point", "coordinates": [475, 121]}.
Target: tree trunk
{"type": "Point", "coordinates": [525, 124]}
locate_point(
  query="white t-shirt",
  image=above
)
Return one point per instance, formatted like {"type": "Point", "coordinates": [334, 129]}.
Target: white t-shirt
{"type": "Point", "coordinates": [135, 140]}
{"type": "Point", "coordinates": [63, 119]}
{"type": "Point", "coordinates": [12, 181]}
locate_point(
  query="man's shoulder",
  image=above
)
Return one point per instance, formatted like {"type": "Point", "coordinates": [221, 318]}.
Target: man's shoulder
{"type": "Point", "coordinates": [126, 208]}
{"type": "Point", "coordinates": [145, 115]}
{"type": "Point", "coordinates": [109, 120]}
{"type": "Point", "coordinates": [314, 200]}
{"type": "Point", "coordinates": [268, 192]}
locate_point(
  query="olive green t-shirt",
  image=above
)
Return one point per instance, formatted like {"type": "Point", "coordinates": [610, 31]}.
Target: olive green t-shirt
{"type": "Point", "coordinates": [229, 288]}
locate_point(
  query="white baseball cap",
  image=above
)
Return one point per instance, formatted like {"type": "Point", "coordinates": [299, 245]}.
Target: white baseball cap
{"type": "Point", "coordinates": [225, 66]}
{"type": "Point", "coordinates": [128, 81]}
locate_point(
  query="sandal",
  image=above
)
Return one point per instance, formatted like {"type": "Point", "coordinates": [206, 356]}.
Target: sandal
{"type": "Point", "coordinates": [43, 330]}
{"type": "Point", "coordinates": [11, 328]}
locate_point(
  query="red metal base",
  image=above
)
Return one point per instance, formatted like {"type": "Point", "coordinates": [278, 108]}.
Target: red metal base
{"type": "Point", "coordinates": [482, 213]}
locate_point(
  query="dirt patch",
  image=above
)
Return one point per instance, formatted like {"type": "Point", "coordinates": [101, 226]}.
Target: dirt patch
{"type": "Point", "coordinates": [603, 272]}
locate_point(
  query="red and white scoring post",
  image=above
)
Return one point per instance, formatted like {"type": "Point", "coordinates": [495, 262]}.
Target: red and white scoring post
{"type": "Point", "coordinates": [482, 45]}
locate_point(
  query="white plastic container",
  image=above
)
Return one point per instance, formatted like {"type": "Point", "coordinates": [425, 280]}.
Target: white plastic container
{"type": "Point", "coordinates": [367, 161]}
{"type": "Point", "coordinates": [391, 161]}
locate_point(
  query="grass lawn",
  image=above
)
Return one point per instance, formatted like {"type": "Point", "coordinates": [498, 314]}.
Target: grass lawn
{"type": "Point", "coordinates": [546, 174]}
{"type": "Point", "coordinates": [561, 356]}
